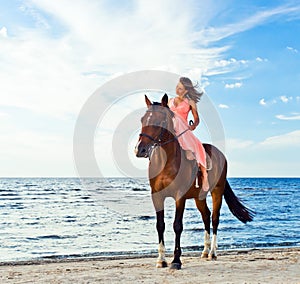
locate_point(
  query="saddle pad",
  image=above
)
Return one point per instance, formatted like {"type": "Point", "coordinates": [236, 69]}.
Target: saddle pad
{"type": "Point", "coordinates": [190, 156]}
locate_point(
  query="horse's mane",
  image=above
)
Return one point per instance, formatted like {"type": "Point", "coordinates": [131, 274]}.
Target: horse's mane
{"type": "Point", "coordinates": [167, 107]}
{"type": "Point", "coordinates": [157, 104]}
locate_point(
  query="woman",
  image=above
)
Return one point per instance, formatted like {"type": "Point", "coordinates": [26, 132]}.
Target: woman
{"type": "Point", "coordinates": [187, 97]}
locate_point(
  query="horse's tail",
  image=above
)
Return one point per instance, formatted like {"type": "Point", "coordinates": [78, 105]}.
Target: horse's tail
{"type": "Point", "coordinates": [237, 208]}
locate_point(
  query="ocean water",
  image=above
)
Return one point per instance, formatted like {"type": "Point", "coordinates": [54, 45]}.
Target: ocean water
{"type": "Point", "coordinates": [64, 217]}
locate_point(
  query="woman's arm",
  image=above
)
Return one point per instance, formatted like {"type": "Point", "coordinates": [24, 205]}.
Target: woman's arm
{"type": "Point", "coordinates": [195, 115]}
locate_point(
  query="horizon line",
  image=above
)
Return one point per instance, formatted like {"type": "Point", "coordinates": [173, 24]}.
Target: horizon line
{"type": "Point", "coordinates": [137, 177]}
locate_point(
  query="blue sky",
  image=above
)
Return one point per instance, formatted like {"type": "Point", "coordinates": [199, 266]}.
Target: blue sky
{"type": "Point", "coordinates": [53, 55]}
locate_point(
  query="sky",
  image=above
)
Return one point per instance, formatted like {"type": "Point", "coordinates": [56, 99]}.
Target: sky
{"type": "Point", "coordinates": [245, 55]}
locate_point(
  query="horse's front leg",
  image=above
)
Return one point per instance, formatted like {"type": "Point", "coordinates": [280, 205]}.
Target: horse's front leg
{"type": "Point", "coordinates": [160, 226]}
{"type": "Point", "coordinates": [178, 228]}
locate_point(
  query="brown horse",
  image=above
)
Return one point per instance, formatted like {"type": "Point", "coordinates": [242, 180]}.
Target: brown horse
{"type": "Point", "coordinates": [172, 174]}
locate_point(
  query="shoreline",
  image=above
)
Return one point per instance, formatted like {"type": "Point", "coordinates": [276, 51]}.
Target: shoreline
{"type": "Point", "coordinates": [71, 258]}
{"type": "Point", "coordinates": [279, 265]}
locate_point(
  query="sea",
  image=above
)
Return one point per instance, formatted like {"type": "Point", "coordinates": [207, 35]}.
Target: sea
{"type": "Point", "coordinates": [48, 218]}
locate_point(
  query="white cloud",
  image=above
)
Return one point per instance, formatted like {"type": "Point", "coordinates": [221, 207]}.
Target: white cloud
{"type": "Point", "coordinates": [284, 140]}
{"type": "Point", "coordinates": [55, 75]}
{"type": "Point", "coordinates": [292, 117]}
{"type": "Point", "coordinates": [223, 106]}
{"type": "Point", "coordinates": [262, 102]}
{"type": "Point", "coordinates": [34, 153]}
{"type": "Point", "coordinates": [294, 50]}
{"type": "Point", "coordinates": [224, 63]}
{"type": "Point", "coordinates": [90, 50]}
{"type": "Point", "coordinates": [3, 32]}
{"type": "Point", "coordinates": [4, 114]}
{"type": "Point", "coordinates": [212, 34]}
{"type": "Point", "coordinates": [41, 74]}
{"type": "Point", "coordinates": [30, 11]}
{"type": "Point", "coordinates": [284, 99]}
{"type": "Point", "coordinates": [259, 59]}
{"type": "Point", "coordinates": [233, 85]}
{"type": "Point", "coordinates": [143, 39]}
{"type": "Point", "coordinates": [233, 144]}
{"type": "Point", "coordinates": [274, 156]}
{"type": "Point", "coordinates": [52, 71]}
{"type": "Point", "coordinates": [229, 62]}
{"type": "Point", "coordinates": [223, 66]}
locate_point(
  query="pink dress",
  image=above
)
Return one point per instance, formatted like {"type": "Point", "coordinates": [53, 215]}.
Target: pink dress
{"type": "Point", "coordinates": [188, 141]}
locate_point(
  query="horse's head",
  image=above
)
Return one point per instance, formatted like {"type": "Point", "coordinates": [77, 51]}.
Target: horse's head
{"type": "Point", "coordinates": [157, 127]}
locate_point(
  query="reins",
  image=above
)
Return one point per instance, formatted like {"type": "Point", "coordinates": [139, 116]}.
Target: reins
{"type": "Point", "coordinates": [158, 142]}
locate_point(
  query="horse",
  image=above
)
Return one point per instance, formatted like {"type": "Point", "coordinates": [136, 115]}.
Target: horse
{"type": "Point", "coordinates": [172, 173]}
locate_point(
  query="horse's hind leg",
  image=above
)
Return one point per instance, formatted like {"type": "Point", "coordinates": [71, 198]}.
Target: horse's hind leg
{"type": "Point", "coordinates": [205, 213]}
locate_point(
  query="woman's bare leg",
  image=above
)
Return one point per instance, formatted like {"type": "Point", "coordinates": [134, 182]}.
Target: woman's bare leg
{"type": "Point", "coordinates": [205, 184]}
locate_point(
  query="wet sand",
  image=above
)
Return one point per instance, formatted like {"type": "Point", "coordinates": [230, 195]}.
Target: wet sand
{"type": "Point", "coordinates": [247, 266]}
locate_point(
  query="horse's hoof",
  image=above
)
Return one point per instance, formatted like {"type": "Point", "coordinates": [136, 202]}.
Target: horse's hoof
{"type": "Point", "coordinates": [175, 266]}
{"type": "Point", "coordinates": [204, 255]}
{"type": "Point", "coordinates": [212, 257]}
{"type": "Point", "coordinates": [161, 264]}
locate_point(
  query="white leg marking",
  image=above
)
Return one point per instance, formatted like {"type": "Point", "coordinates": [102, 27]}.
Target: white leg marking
{"type": "Point", "coordinates": [197, 182]}
{"type": "Point", "coordinates": [214, 246]}
{"type": "Point", "coordinates": [206, 244]}
{"type": "Point", "coordinates": [161, 255]}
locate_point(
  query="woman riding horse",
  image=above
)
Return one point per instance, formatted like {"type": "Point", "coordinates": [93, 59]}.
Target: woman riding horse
{"type": "Point", "coordinates": [171, 174]}
{"type": "Point", "coordinates": [187, 97]}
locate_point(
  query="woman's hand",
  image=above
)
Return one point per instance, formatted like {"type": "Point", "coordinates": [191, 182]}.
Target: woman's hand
{"type": "Point", "coordinates": [195, 115]}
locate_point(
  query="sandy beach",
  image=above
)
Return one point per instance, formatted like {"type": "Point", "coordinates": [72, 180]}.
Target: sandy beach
{"type": "Point", "coordinates": [247, 266]}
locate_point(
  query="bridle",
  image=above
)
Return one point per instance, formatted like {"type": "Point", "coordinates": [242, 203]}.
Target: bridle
{"type": "Point", "coordinates": [159, 140]}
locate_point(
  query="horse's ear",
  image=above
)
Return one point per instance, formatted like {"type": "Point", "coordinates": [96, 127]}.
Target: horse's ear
{"type": "Point", "coordinates": [148, 102]}
{"type": "Point", "coordinates": [164, 100]}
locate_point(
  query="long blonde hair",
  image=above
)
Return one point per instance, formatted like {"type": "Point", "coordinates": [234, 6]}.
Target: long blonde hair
{"type": "Point", "coordinates": [193, 94]}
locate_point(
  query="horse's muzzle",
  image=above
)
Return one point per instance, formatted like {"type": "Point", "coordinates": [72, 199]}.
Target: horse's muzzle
{"type": "Point", "coordinates": [141, 151]}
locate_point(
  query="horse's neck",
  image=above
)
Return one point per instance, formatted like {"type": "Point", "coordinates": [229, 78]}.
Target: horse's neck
{"type": "Point", "coordinates": [173, 150]}
{"type": "Point", "coordinates": [170, 144]}
{"type": "Point", "coordinates": [166, 154]}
